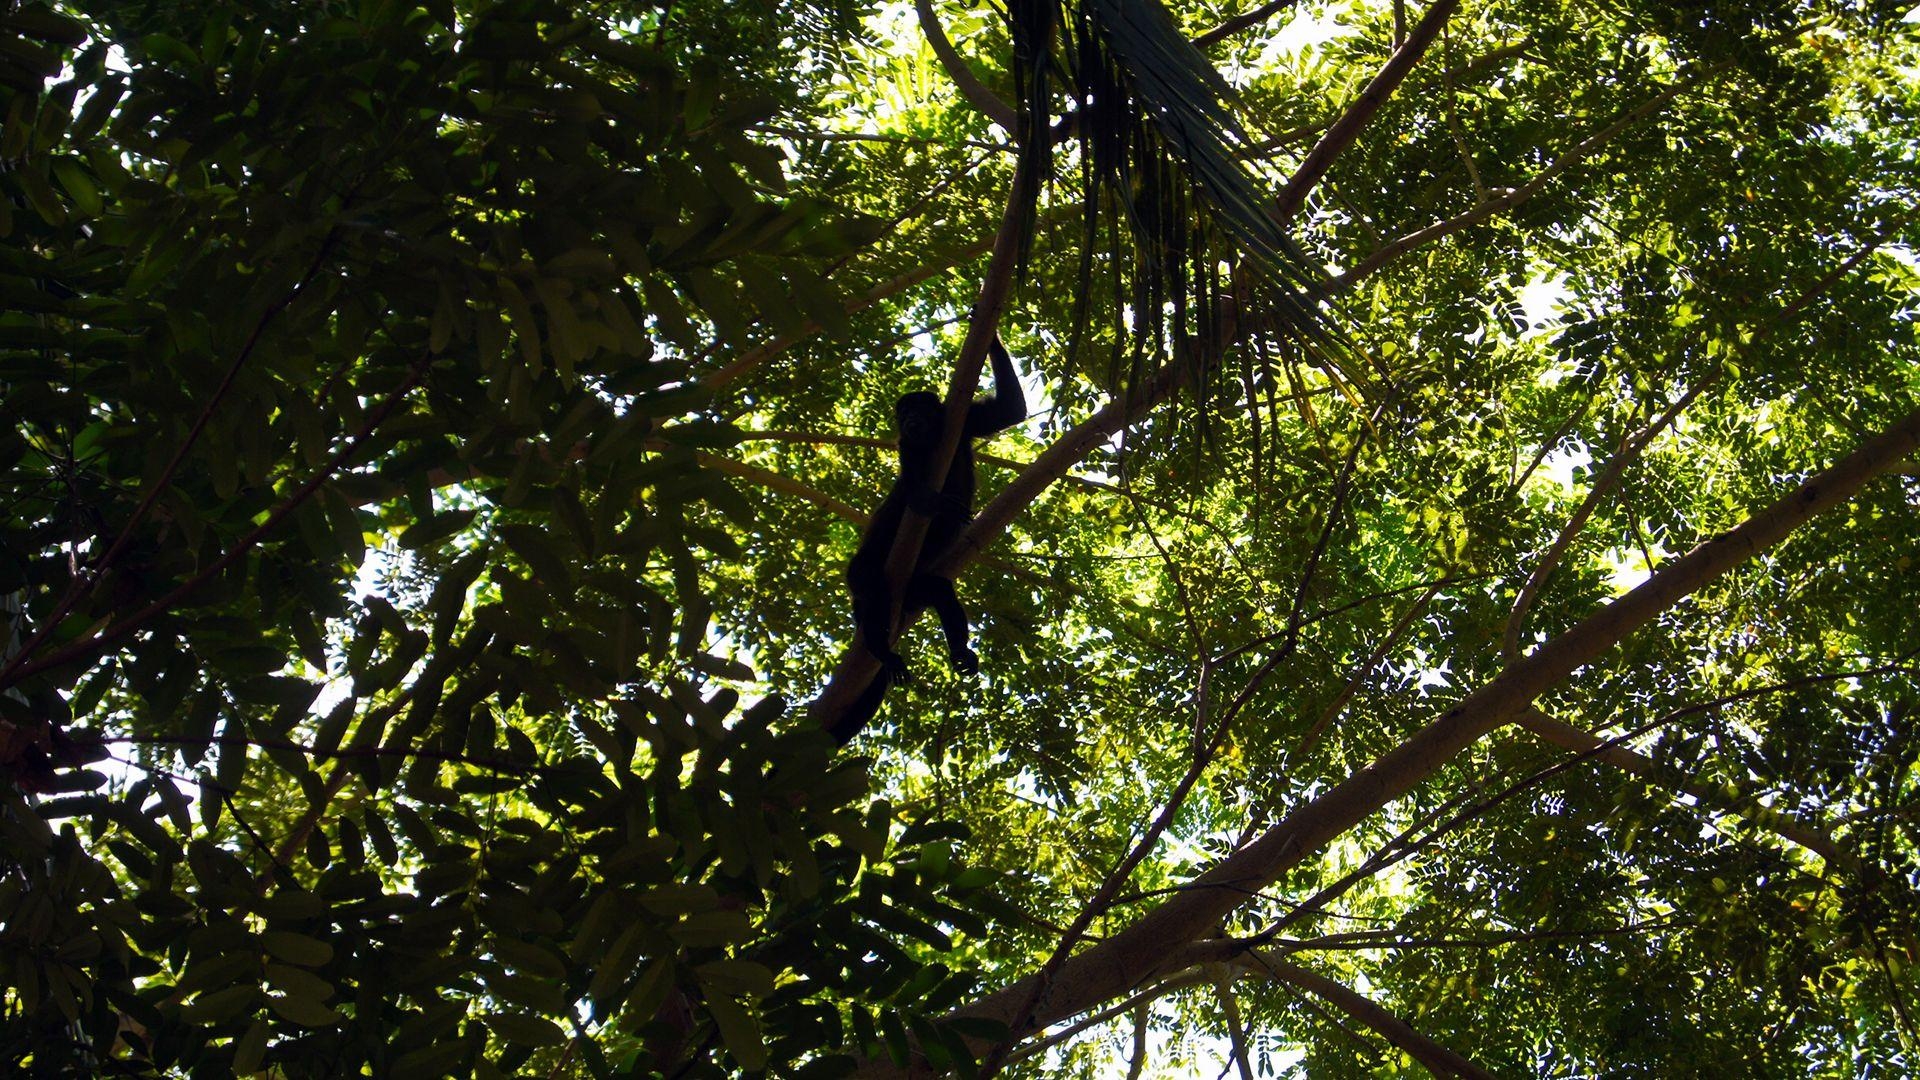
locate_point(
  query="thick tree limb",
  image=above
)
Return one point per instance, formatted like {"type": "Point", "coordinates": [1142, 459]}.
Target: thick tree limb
{"type": "Point", "coordinates": [1139, 952]}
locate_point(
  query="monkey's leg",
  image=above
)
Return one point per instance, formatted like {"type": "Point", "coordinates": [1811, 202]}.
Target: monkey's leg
{"type": "Point", "coordinates": [937, 593]}
{"type": "Point", "coordinates": [873, 617]}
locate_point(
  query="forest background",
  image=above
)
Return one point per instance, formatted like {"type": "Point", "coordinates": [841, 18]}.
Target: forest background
{"type": "Point", "coordinates": [1451, 609]}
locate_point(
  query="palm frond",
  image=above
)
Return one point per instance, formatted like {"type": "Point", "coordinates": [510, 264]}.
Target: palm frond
{"type": "Point", "coordinates": [1160, 144]}
{"type": "Point", "coordinates": [1163, 83]}
{"type": "Point", "coordinates": [1032, 24]}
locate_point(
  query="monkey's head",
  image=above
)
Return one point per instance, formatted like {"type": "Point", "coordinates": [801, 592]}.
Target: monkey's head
{"type": "Point", "coordinates": [918, 417]}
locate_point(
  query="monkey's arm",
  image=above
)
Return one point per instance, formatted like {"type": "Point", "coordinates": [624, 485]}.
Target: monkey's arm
{"type": "Point", "coordinates": [1007, 406]}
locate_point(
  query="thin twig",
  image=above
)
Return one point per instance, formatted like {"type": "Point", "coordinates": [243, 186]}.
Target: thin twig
{"type": "Point", "coordinates": [1387, 643]}
{"type": "Point", "coordinates": [1453, 120]}
{"type": "Point", "coordinates": [811, 134]}
{"type": "Point", "coordinates": [1731, 799]}
{"type": "Point", "coordinates": [500, 765]}
{"type": "Point", "coordinates": [1202, 758]}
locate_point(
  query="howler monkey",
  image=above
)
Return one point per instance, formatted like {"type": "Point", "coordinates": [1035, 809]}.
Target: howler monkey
{"type": "Point", "coordinates": [919, 418]}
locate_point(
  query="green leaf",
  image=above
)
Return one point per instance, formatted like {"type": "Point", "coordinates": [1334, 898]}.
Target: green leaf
{"type": "Point", "coordinates": [431, 531]}
{"type": "Point", "coordinates": [524, 1029]}
{"type": "Point", "coordinates": [250, 1049]}
{"type": "Point", "coordinates": [711, 929]}
{"type": "Point", "coordinates": [541, 555]}
{"type": "Point", "coordinates": [219, 1006]}
{"type": "Point", "coordinates": [79, 186]}
{"type": "Point", "coordinates": [740, 1030]}
{"type": "Point", "coordinates": [434, 1059]}
{"type": "Point", "coordinates": [530, 958]}
{"type": "Point", "coordinates": [307, 1012]}
{"type": "Point", "coordinates": [296, 948]}
{"type": "Point", "coordinates": [41, 23]}
{"type": "Point", "coordinates": [736, 978]}
{"type": "Point", "coordinates": [298, 982]}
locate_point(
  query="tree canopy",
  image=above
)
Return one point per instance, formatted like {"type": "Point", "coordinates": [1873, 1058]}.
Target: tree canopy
{"type": "Point", "coordinates": [1451, 610]}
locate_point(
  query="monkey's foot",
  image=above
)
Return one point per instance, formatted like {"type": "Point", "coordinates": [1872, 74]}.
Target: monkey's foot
{"type": "Point", "coordinates": [896, 668]}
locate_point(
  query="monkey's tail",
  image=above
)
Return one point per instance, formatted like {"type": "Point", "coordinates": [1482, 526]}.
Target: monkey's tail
{"type": "Point", "coordinates": [863, 709]}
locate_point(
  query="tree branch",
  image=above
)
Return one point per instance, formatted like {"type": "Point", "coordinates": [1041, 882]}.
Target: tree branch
{"type": "Point", "coordinates": [1632, 448]}
{"type": "Point", "coordinates": [500, 765]}
{"type": "Point", "coordinates": [13, 669]}
{"type": "Point", "coordinates": [1628, 453]}
{"type": "Point", "coordinates": [1230, 1008]}
{"type": "Point", "coordinates": [1387, 643]}
{"type": "Point", "coordinates": [1733, 801]}
{"type": "Point", "coordinates": [969, 84]}
{"type": "Point", "coordinates": [91, 646]}
{"type": "Point", "coordinates": [1438, 1059]}
{"type": "Point", "coordinates": [858, 667]}
{"type": "Point", "coordinates": [1366, 940]}
{"type": "Point", "coordinates": [1345, 130]}
{"type": "Point", "coordinates": [1509, 198]}
{"type": "Point", "coordinates": [1246, 20]}
{"type": "Point", "coordinates": [1137, 953]}
{"type": "Point", "coordinates": [1204, 754]}
{"type": "Point", "coordinates": [1138, 1065]}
